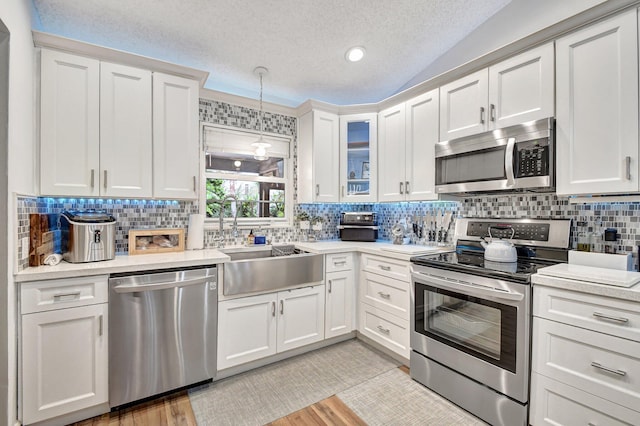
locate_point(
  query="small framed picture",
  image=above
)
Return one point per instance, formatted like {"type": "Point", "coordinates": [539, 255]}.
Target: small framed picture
{"type": "Point", "coordinates": [365, 170]}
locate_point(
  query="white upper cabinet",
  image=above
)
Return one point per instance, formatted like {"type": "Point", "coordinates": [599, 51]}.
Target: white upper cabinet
{"type": "Point", "coordinates": [422, 136]}
{"type": "Point", "coordinates": [176, 153]}
{"type": "Point", "coordinates": [125, 131]}
{"type": "Point", "coordinates": [318, 157]}
{"type": "Point", "coordinates": [97, 137]}
{"type": "Point", "coordinates": [69, 125]}
{"type": "Point", "coordinates": [521, 88]}
{"type": "Point", "coordinates": [407, 136]}
{"type": "Point", "coordinates": [597, 103]}
{"type": "Point", "coordinates": [358, 166]}
{"type": "Point", "coordinates": [391, 152]}
{"type": "Point", "coordinates": [463, 106]}
{"type": "Point", "coordinates": [514, 91]}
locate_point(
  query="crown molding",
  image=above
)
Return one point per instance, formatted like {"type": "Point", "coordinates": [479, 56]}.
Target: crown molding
{"type": "Point", "coordinates": [52, 41]}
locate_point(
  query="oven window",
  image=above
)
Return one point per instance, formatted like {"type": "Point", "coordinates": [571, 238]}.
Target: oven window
{"type": "Point", "coordinates": [475, 166]}
{"type": "Point", "coordinates": [479, 327]}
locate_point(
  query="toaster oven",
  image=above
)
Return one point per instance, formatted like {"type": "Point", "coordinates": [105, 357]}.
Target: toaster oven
{"type": "Point", "coordinates": [358, 226]}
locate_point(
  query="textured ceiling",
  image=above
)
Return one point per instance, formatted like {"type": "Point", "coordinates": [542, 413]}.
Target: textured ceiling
{"type": "Point", "coordinates": [301, 42]}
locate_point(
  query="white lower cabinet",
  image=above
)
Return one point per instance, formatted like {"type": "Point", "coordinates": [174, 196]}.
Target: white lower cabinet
{"type": "Point", "coordinates": [583, 371]}
{"type": "Point", "coordinates": [64, 347]}
{"type": "Point", "coordinates": [340, 295]}
{"type": "Point", "coordinates": [384, 298]}
{"type": "Point", "coordinates": [557, 403]}
{"type": "Point", "coordinates": [254, 327]}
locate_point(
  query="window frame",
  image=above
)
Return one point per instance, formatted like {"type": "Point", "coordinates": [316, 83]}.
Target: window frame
{"type": "Point", "coordinates": [212, 223]}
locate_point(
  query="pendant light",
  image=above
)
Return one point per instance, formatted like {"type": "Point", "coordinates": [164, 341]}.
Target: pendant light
{"type": "Point", "coordinates": [261, 145]}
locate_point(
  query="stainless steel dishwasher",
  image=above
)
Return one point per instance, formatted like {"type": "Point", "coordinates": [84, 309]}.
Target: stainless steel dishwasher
{"type": "Point", "coordinates": [162, 332]}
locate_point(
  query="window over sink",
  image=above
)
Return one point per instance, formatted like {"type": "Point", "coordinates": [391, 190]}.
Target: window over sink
{"type": "Point", "coordinates": [255, 189]}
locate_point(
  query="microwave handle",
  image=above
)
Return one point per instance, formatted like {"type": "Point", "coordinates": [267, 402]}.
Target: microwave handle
{"type": "Point", "coordinates": [508, 162]}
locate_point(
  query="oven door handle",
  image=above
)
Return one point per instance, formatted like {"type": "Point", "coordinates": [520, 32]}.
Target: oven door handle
{"type": "Point", "coordinates": [472, 290]}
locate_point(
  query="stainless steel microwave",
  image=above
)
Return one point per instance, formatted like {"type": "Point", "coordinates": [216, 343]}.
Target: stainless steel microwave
{"type": "Point", "coordinates": [514, 158]}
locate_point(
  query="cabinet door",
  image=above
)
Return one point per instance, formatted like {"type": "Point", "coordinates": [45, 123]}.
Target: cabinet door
{"type": "Point", "coordinates": [463, 106]}
{"type": "Point", "coordinates": [597, 108]}
{"type": "Point", "coordinates": [176, 145]}
{"type": "Point", "coordinates": [325, 157]}
{"type": "Point", "coordinates": [301, 317]}
{"type": "Point", "coordinates": [521, 88]}
{"type": "Point", "coordinates": [69, 124]}
{"type": "Point", "coordinates": [64, 361]}
{"type": "Point", "coordinates": [422, 135]}
{"type": "Point", "coordinates": [358, 165]}
{"type": "Point", "coordinates": [125, 131]}
{"type": "Point", "coordinates": [391, 154]}
{"type": "Point", "coordinates": [246, 329]}
{"type": "Point", "coordinates": [339, 303]}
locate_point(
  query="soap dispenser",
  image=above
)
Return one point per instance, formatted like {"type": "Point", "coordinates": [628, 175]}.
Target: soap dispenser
{"type": "Point", "coordinates": [250, 238]}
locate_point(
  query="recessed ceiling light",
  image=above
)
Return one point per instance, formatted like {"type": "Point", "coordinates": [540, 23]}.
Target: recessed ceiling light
{"type": "Point", "coordinates": [355, 54]}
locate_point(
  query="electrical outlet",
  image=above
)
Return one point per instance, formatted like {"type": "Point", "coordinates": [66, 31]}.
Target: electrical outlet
{"type": "Point", "coordinates": [24, 248]}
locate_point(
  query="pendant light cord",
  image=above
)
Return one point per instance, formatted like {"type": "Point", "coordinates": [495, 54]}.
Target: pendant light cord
{"type": "Point", "coordinates": [261, 119]}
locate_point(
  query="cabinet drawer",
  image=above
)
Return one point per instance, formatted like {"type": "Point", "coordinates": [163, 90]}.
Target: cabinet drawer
{"type": "Point", "coordinates": [388, 267]}
{"type": "Point", "coordinates": [339, 262]}
{"type": "Point", "coordinates": [603, 365]}
{"type": "Point", "coordinates": [554, 403]}
{"type": "Point", "coordinates": [40, 296]}
{"type": "Point", "coordinates": [604, 314]}
{"type": "Point", "coordinates": [388, 330]}
{"type": "Point", "coordinates": [386, 294]}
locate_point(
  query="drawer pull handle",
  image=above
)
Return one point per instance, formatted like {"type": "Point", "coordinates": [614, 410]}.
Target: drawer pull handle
{"type": "Point", "coordinates": [384, 295]}
{"type": "Point", "coordinates": [100, 325]}
{"type": "Point", "coordinates": [383, 330]}
{"type": "Point", "coordinates": [610, 318]}
{"type": "Point", "coordinates": [282, 307]}
{"type": "Point", "coordinates": [329, 286]}
{"type": "Point", "coordinates": [385, 268]}
{"type": "Point", "coordinates": [273, 309]}
{"type": "Point", "coordinates": [344, 262]}
{"type": "Point", "coordinates": [608, 369]}
{"type": "Point", "coordinates": [59, 297]}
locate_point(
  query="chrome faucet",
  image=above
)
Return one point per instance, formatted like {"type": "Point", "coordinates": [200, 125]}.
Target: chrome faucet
{"type": "Point", "coordinates": [221, 201]}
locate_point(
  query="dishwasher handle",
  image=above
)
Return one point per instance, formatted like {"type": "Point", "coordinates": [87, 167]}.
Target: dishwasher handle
{"type": "Point", "coordinates": [135, 288]}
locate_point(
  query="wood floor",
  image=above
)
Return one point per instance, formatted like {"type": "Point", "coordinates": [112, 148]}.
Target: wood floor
{"type": "Point", "coordinates": [175, 410]}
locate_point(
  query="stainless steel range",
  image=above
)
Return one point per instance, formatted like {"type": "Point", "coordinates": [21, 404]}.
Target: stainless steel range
{"type": "Point", "coordinates": [471, 318]}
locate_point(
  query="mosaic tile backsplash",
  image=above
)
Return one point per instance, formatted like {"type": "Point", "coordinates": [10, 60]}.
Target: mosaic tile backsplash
{"type": "Point", "coordinates": [135, 214]}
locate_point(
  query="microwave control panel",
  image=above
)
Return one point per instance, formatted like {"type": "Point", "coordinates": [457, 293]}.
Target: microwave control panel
{"type": "Point", "coordinates": [532, 158]}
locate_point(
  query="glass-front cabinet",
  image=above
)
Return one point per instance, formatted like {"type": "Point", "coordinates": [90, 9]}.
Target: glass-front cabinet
{"type": "Point", "coordinates": [358, 162]}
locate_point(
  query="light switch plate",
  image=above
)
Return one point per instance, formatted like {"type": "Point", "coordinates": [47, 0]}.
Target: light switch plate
{"type": "Point", "coordinates": [24, 248]}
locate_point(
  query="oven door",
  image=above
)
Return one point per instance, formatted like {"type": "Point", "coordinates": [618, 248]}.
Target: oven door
{"type": "Point", "coordinates": [477, 326]}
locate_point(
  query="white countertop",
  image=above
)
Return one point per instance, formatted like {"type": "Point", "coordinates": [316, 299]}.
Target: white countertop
{"type": "Point", "coordinates": [125, 263]}
{"type": "Point", "coordinates": [588, 282]}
